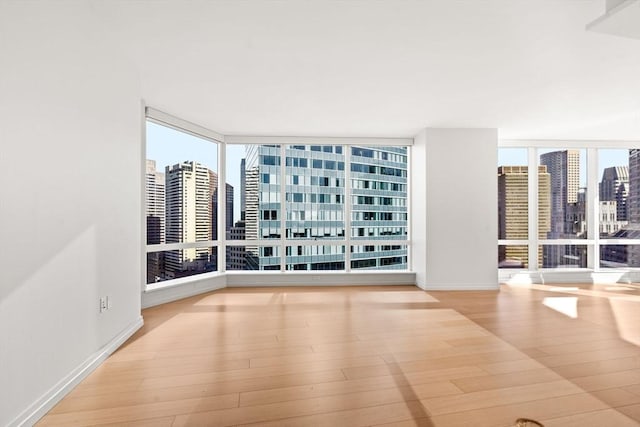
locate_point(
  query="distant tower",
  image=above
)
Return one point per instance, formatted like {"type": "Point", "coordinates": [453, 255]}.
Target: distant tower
{"type": "Point", "coordinates": [188, 216]}
{"type": "Point", "coordinates": [567, 209]}
{"type": "Point", "coordinates": [228, 210]}
{"type": "Point", "coordinates": [633, 204]}
{"type": "Point", "coordinates": [213, 190]}
{"type": "Point", "coordinates": [564, 171]}
{"type": "Point", "coordinates": [155, 218]}
{"type": "Point", "coordinates": [615, 187]}
{"type": "Point", "coordinates": [236, 255]}
{"type": "Point", "coordinates": [243, 199]}
{"type": "Point", "coordinates": [155, 199]}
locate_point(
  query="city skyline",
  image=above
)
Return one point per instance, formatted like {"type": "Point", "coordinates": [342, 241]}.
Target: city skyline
{"type": "Point", "coordinates": [618, 199]}
{"type": "Point", "coordinates": [168, 146]}
{"type": "Point", "coordinates": [509, 156]}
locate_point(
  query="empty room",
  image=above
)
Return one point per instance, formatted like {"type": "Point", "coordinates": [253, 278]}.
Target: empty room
{"type": "Point", "coordinates": [320, 213]}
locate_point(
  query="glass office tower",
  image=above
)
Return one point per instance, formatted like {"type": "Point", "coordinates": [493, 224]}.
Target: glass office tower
{"type": "Point", "coordinates": [315, 206]}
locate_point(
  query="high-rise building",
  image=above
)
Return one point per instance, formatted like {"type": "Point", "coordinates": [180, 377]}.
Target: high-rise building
{"type": "Point", "coordinates": [155, 204]}
{"type": "Point", "coordinates": [236, 255]}
{"type": "Point", "coordinates": [615, 187]}
{"type": "Point", "coordinates": [576, 216]}
{"type": "Point", "coordinates": [228, 210]}
{"type": "Point", "coordinates": [213, 191]}
{"type": "Point", "coordinates": [188, 217]}
{"type": "Point", "coordinates": [243, 200]}
{"type": "Point", "coordinates": [633, 206]}
{"type": "Point", "coordinates": [513, 212]}
{"type": "Point", "coordinates": [608, 218]}
{"type": "Point", "coordinates": [568, 211]}
{"type": "Point", "coordinates": [314, 193]}
{"type": "Point", "coordinates": [564, 171]}
{"type": "Point", "coordinates": [155, 219]}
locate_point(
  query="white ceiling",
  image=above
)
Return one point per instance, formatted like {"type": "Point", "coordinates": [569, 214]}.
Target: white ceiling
{"type": "Point", "coordinates": [383, 68]}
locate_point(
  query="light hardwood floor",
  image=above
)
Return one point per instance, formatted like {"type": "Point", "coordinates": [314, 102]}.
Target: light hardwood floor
{"type": "Point", "coordinates": [371, 356]}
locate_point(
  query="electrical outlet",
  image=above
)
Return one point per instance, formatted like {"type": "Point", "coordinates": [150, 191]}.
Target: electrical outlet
{"type": "Point", "coordinates": [103, 304]}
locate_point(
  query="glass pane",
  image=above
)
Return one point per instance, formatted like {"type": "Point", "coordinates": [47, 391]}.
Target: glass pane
{"type": "Point", "coordinates": [253, 258]}
{"type": "Point", "coordinates": [616, 256]}
{"type": "Point", "coordinates": [167, 265]}
{"type": "Point", "coordinates": [181, 186]}
{"type": "Point", "coordinates": [253, 192]}
{"type": "Point", "coordinates": [514, 256]}
{"type": "Point", "coordinates": [566, 192]}
{"type": "Point", "coordinates": [235, 215]}
{"type": "Point", "coordinates": [565, 256]}
{"type": "Point", "coordinates": [314, 192]}
{"type": "Point", "coordinates": [513, 194]}
{"type": "Point", "coordinates": [379, 193]}
{"type": "Point", "coordinates": [614, 192]}
{"type": "Point", "coordinates": [320, 257]}
{"type": "Point", "coordinates": [379, 257]}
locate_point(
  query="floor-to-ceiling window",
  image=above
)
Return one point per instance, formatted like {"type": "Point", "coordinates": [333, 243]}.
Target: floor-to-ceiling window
{"type": "Point", "coordinates": [181, 209]}
{"type": "Point", "coordinates": [577, 212]}
{"type": "Point", "coordinates": [216, 204]}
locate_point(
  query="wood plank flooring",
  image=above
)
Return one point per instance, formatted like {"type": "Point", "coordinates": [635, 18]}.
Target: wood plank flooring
{"type": "Point", "coordinates": [373, 356]}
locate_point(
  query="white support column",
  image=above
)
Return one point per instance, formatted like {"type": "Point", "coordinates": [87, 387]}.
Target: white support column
{"type": "Point", "coordinates": [418, 214]}
{"type": "Point", "coordinates": [462, 208]}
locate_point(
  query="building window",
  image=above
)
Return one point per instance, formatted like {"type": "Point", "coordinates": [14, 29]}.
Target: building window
{"type": "Point", "coordinates": [258, 212]}
{"type": "Point", "coordinates": [588, 212]}
{"type": "Point", "coordinates": [181, 208]}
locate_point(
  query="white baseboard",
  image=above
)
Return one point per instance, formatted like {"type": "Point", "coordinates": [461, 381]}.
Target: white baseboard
{"type": "Point", "coordinates": [460, 287]}
{"type": "Point", "coordinates": [39, 408]}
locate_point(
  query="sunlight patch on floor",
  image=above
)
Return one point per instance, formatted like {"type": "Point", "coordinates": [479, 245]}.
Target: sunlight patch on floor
{"type": "Point", "coordinates": [564, 305]}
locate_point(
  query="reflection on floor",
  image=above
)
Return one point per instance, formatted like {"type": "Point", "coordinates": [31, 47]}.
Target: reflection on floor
{"type": "Point", "coordinates": [363, 356]}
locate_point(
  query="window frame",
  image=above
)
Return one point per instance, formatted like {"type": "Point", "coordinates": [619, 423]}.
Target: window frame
{"type": "Point", "coordinates": [222, 243]}
{"type": "Point", "coordinates": [593, 241]}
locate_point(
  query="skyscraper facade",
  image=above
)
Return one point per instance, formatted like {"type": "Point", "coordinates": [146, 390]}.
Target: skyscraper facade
{"type": "Point", "coordinates": [633, 206]}
{"type": "Point", "coordinates": [314, 195]}
{"type": "Point", "coordinates": [243, 201]}
{"type": "Point", "coordinates": [614, 186]}
{"type": "Point", "coordinates": [213, 191]}
{"type": "Point", "coordinates": [564, 171]}
{"type": "Point", "coordinates": [228, 210]}
{"type": "Point", "coordinates": [155, 219]}
{"type": "Point", "coordinates": [568, 209]}
{"type": "Point", "coordinates": [236, 255]}
{"type": "Point", "coordinates": [513, 212]}
{"type": "Point", "coordinates": [155, 204]}
{"type": "Point", "coordinates": [613, 215]}
{"type": "Point", "coordinates": [188, 217]}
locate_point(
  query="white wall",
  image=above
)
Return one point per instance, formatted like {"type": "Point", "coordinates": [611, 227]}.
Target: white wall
{"type": "Point", "coordinates": [461, 217]}
{"type": "Point", "coordinates": [418, 202]}
{"type": "Point", "coordinates": [70, 200]}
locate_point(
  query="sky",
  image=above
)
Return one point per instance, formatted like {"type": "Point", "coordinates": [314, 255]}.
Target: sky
{"type": "Point", "coordinates": [606, 158]}
{"type": "Point", "coordinates": [168, 146]}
